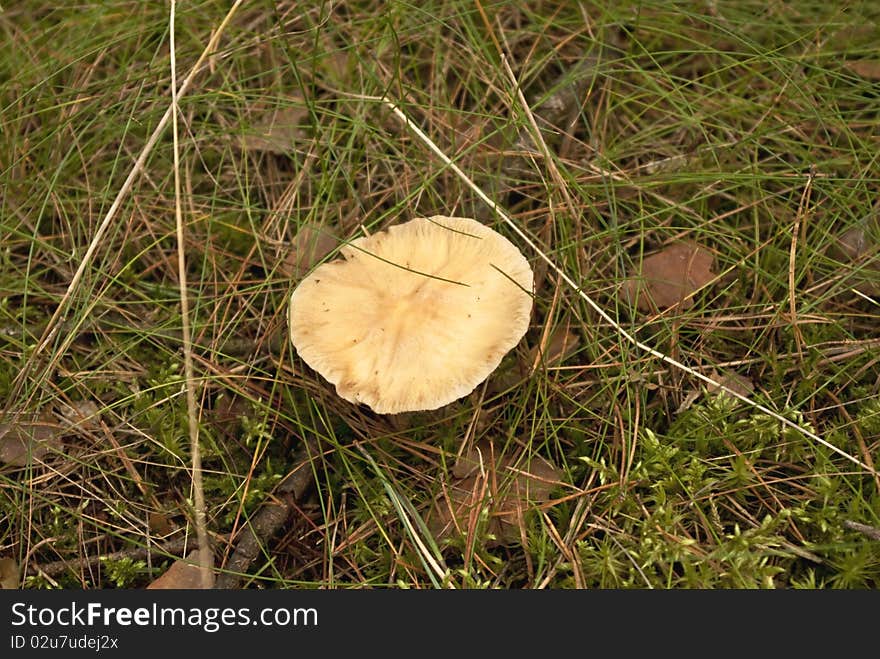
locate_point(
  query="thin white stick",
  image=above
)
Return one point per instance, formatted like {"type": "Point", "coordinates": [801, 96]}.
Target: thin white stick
{"type": "Point", "coordinates": [206, 563]}
{"type": "Point", "coordinates": [599, 310]}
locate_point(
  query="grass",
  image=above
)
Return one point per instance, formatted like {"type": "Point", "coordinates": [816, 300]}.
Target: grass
{"type": "Point", "coordinates": [743, 127]}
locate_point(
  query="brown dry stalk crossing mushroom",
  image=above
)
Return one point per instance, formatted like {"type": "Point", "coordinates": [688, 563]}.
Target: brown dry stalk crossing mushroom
{"type": "Point", "coordinates": [413, 317]}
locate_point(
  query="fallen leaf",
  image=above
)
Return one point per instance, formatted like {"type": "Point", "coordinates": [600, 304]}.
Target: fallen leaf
{"type": "Point", "coordinates": [669, 277]}
{"type": "Point", "coordinates": [24, 441]}
{"type": "Point", "coordinates": [866, 68]}
{"type": "Point", "coordinates": [311, 244]}
{"type": "Point", "coordinates": [83, 415]}
{"type": "Point", "coordinates": [509, 490]}
{"type": "Point", "coordinates": [561, 344]}
{"type": "Point", "coordinates": [159, 523]}
{"type": "Point", "coordinates": [857, 250]}
{"type": "Point", "coordinates": [183, 574]}
{"type": "Point", "coordinates": [278, 131]}
{"type": "Point", "coordinates": [10, 579]}
{"type": "Point", "coordinates": [334, 65]}
{"type": "Point", "coordinates": [852, 243]}
{"type": "Point", "coordinates": [733, 381]}
{"type": "Point", "coordinates": [229, 409]}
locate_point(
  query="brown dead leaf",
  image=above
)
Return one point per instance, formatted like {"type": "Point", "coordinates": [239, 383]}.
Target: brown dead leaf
{"type": "Point", "coordinates": [857, 249]}
{"type": "Point", "coordinates": [508, 489]}
{"type": "Point", "coordinates": [10, 579]}
{"type": "Point", "coordinates": [83, 415]}
{"type": "Point", "coordinates": [852, 243]}
{"type": "Point", "coordinates": [229, 409]}
{"type": "Point", "coordinates": [278, 130]}
{"type": "Point", "coordinates": [159, 523]}
{"type": "Point", "coordinates": [311, 244]}
{"type": "Point", "coordinates": [183, 574]}
{"type": "Point", "coordinates": [668, 277]}
{"type": "Point", "coordinates": [866, 68]}
{"type": "Point", "coordinates": [24, 441]}
{"type": "Point", "coordinates": [733, 381]}
{"type": "Point", "coordinates": [561, 345]}
{"type": "Point", "coordinates": [335, 65]}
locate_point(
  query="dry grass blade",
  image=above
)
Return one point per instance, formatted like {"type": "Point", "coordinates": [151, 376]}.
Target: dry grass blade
{"type": "Point", "coordinates": [204, 551]}
{"type": "Point", "coordinates": [539, 138]}
{"type": "Point", "coordinates": [394, 107]}
{"type": "Point", "coordinates": [796, 231]}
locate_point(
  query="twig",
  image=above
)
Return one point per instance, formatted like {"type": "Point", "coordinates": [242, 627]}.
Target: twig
{"type": "Point", "coordinates": [261, 527]}
{"type": "Point", "coordinates": [56, 568]}
{"type": "Point", "coordinates": [269, 518]}
{"type": "Point", "coordinates": [870, 531]}
{"type": "Point", "coordinates": [538, 138]}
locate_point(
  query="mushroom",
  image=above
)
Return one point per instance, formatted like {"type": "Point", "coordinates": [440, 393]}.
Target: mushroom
{"type": "Point", "coordinates": [413, 317]}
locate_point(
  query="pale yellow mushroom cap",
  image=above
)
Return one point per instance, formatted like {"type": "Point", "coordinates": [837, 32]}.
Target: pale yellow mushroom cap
{"type": "Point", "coordinates": [413, 317]}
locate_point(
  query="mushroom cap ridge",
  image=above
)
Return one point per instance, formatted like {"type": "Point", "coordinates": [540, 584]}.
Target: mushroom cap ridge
{"type": "Point", "coordinates": [415, 316]}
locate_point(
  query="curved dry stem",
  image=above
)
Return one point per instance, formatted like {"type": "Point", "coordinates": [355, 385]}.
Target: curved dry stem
{"type": "Point", "coordinates": [598, 309]}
